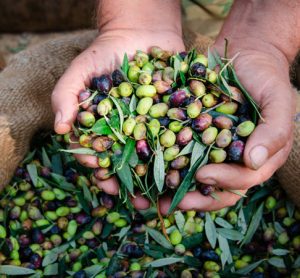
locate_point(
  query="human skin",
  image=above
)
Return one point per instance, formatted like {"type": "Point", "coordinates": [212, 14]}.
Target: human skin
{"type": "Point", "coordinates": [267, 39]}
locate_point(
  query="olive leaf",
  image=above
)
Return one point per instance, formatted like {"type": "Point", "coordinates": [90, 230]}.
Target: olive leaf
{"type": "Point", "coordinates": [255, 221]}
{"type": "Point", "coordinates": [163, 262]}
{"type": "Point", "coordinates": [230, 234]}
{"type": "Point", "coordinates": [125, 176]}
{"type": "Point", "coordinates": [186, 183]}
{"type": "Point", "coordinates": [159, 168]}
{"type": "Point", "coordinates": [120, 137]}
{"type": "Point", "coordinates": [85, 151]}
{"type": "Point", "coordinates": [133, 103]}
{"type": "Point", "coordinates": [51, 269]}
{"type": "Point", "coordinates": [127, 152]}
{"type": "Point", "coordinates": [159, 238]}
{"type": "Point", "coordinates": [125, 64]}
{"type": "Point", "coordinates": [120, 111]}
{"type": "Point", "coordinates": [223, 223]}
{"type": "Point", "coordinates": [210, 230]}
{"type": "Point", "coordinates": [180, 220]}
{"type": "Point", "coordinates": [226, 253]}
{"type": "Point", "coordinates": [187, 149]}
{"type": "Point", "coordinates": [45, 159]}
{"type": "Point", "coordinates": [15, 270]}
{"type": "Point", "coordinates": [277, 262]}
{"type": "Point", "coordinates": [247, 269]}
{"type": "Point", "coordinates": [32, 170]}
{"type": "Point", "coordinates": [101, 128]}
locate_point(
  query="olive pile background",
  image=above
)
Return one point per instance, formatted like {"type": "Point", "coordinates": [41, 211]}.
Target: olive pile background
{"type": "Point", "coordinates": [55, 222]}
{"type": "Point", "coordinates": [160, 117]}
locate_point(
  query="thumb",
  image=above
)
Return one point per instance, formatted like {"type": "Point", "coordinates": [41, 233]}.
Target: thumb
{"type": "Point", "coordinates": [275, 130]}
{"type": "Point", "coordinates": [65, 94]}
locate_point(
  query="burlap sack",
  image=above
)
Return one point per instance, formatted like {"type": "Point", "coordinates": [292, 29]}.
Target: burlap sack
{"type": "Point", "coordinates": [289, 174]}
{"type": "Point", "coordinates": [25, 89]}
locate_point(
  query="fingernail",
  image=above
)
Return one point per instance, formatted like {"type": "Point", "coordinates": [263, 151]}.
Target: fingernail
{"type": "Point", "coordinates": [207, 180]}
{"type": "Point", "coordinates": [258, 156]}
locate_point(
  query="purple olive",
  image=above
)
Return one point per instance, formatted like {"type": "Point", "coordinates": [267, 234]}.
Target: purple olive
{"type": "Point", "coordinates": [206, 189]}
{"type": "Point", "coordinates": [236, 150]}
{"type": "Point", "coordinates": [202, 122]}
{"type": "Point", "coordinates": [117, 77]}
{"type": "Point", "coordinates": [177, 98]}
{"type": "Point", "coordinates": [180, 162]}
{"type": "Point", "coordinates": [198, 70]}
{"type": "Point", "coordinates": [98, 98]}
{"type": "Point", "coordinates": [37, 236]}
{"type": "Point", "coordinates": [107, 200]}
{"type": "Point", "coordinates": [24, 240]}
{"type": "Point", "coordinates": [172, 179]}
{"type": "Point", "coordinates": [223, 122]}
{"type": "Point", "coordinates": [184, 136]}
{"type": "Point", "coordinates": [103, 143]}
{"type": "Point", "coordinates": [143, 150]}
{"type": "Point", "coordinates": [177, 114]}
{"type": "Point", "coordinates": [161, 86]}
{"type": "Point", "coordinates": [102, 173]}
{"type": "Point", "coordinates": [102, 83]}
{"type": "Point", "coordinates": [36, 260]}
{"type": "Point", "coordinates": [82, 218]}
{"type": "Point", "coordinates": [83, 96]}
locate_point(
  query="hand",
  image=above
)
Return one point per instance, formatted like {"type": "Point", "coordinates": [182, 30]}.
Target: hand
{"type": "Point", "coordinates": [103, 56]}
{"type": "Point", "coordinates": [263, 68]}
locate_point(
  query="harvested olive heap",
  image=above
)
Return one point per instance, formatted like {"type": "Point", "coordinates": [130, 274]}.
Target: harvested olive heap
{"type": "Point", "coordinates": [55, 222]}
{"type": "Point", "coordinates": [159, 118]}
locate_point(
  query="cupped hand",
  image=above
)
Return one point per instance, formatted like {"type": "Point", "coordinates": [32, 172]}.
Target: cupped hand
{"type": "Point", "coordinates": [103, 56]}
{"type": "Point", "coordinates": [264, 72]}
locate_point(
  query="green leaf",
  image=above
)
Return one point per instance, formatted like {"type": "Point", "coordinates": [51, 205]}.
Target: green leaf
{"type": "Point", "coordinates": [159, 238]}
{"type": "Point", "coordinates": [192, 261]}
{"type": "Point", "coordinates": [159, 168]}
{"type": "Point", "coordinates": [210, 230]}
{"type": "Point", "coordinates": [52, 256]}
{"type": "Point", "coordinates": [87, 193]}
{"type": "Point", "coordinates": [125, 64]}
{"type": "Point", "coordinates": [255, 221]}
{"type": "Point", "coordinates": [51, 269]}
{"type": "Point", "coordinates": [237, 192]}
{"type": "Point", "coordinates": [93, 270]}
{"type": "Point", "coordinates": [62, 183]}
{"type": "Point", "coordinates": [29, 157]}
{"type": "Point", "coordinates": [133, 103]}
{"type": "Point", "coordinates": [119, 135]}
{"type": "Point", "coordinates": [280, 252]}
{"type": "Point", "coordinates": [226, 254]}
{"type": "Point", "coordinates": [182, 78]}
{"type": "Point", "coordinates": [186, 183]}
{"type": "Point", "coordinates": [120, 111]}
{"type": "Point", "coordinates": [15, 270]}
{"type": "Point", "coordinates": [223, 223]}
{"type": "Point", "coordinates": [180, 220]}
{"type": "Point", "coordinates": [177, 66]}
{"type": "Point", "coordinates": [128, 151]}
{"type": "Point", "coordinates": [113, 265]}
{"type": "Point", "coordinates": [297, 262]}
{"type": "Point", "coordinates": [277, 262]}
{"type": "Point", "coordinates": [164, 261]}
{"type": "Point", "coordinates": [211, 60]}
{"type": "Point", "coordinates": [32, 170]}
{"type": "Point", "coordinates": [192, 241]}
{"type": "Point", "coordinates": [57, 164]}
{"type": "Point", "coordinates": [45, 158]}
{"type": "Point", "coordinates": [134, 159]}
{"type": "Point", "coordinates": [247, 269]}
{"type": "Point", "coordinates": [101, 128]}
{"type": "Point", "coordinates": [242, 224]}
{"type": "Point", "coordinates": [86, 151]}
{"type": "Point", "coordinates": [290, 206]}
{"type": "Point", "coordinates": [198, 150]}
{"type": "Point", "coordinates": [125, 176]}
{"type": "Point", "coordinates": [230, 234]}
{"type": "Point", "coordinates": [187, 149]}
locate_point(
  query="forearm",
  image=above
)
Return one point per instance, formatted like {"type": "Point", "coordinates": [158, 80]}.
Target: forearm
{"type": "Point", "coordinates": [269, 22]}
{"type": "Point", "coordinates": [154, 15]}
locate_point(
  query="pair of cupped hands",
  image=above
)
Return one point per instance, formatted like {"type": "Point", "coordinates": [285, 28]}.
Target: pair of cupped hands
{"type": "Point", "coordinates": [262, 69]}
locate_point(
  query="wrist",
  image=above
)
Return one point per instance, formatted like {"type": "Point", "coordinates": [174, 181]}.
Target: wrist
{"type": "Point", "coordinates": [261, 25]}
{"type": "Point", "coordinates": [139, 15]}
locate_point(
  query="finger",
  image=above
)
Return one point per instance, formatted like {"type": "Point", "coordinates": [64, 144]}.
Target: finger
{"type": "Point", "coordinates": [85, 160]}
{"type": "Point", "coordinates": [65, 94]}
{"type": "Point", "coordinates": [140, 202]}
{"type": "Point", "coordinates": [109, 186]}
{"type": "Point", "coordinates": [235, 176]}
{"type": "Point", "coordinates": [164, 204]}
{"type": "Point", "coordinates": [275, 131]}
{"type": "Point", "coordinates": [196, 201]}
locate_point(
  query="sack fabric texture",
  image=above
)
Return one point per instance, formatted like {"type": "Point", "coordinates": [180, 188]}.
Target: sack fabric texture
{"type": "Point", "coordinates": [26, 85]}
